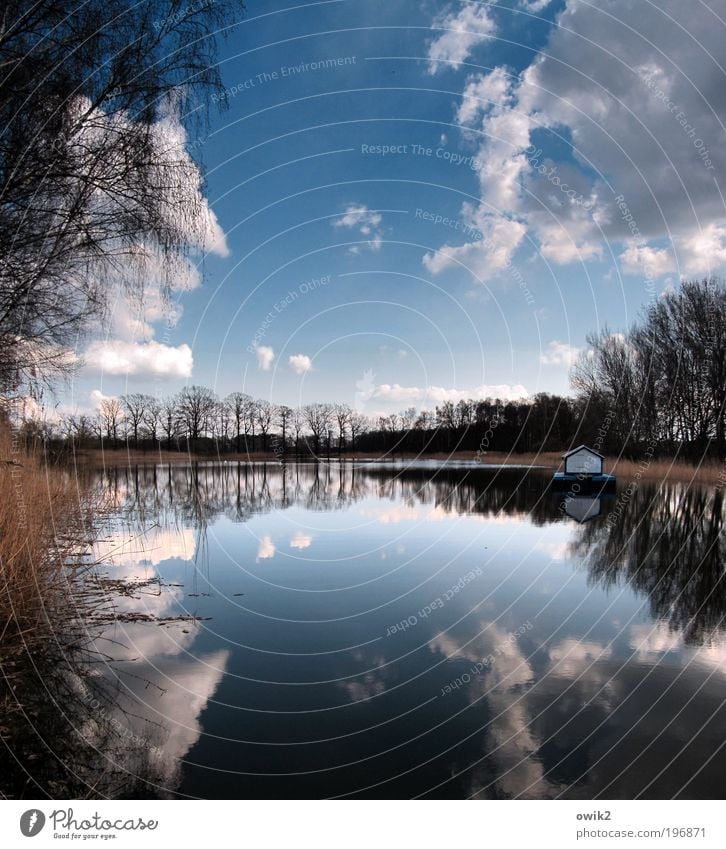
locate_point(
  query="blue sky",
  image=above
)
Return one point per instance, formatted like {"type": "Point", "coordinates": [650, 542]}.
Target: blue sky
{"type": "Point", "coordinates": [423, 201]}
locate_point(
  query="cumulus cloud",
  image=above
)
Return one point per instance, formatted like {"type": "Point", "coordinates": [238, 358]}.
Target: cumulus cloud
{"type": "Point", "coordinates": [642, 260]}
{"type": "Point", "coordinates": [481, 93]}
{"type": "Point", "coordinates": [646, 136]}
{"type": "Point", "coordinates": [438, 394]}
{"type": "Point", "coordinates": [141, 359]}
{"type": "Point", "coordinates": [265, 357]}
{"type": "Point", "coordinates": [300, 363]}
{"type": "Point", "coordinates": [534, 5]}
{"type": "Point", "coordinates": [130, 348]}
{"type": "Point", "coordinates": [461, 32]}
{"type": "Point", "coordinates": [97, 398]}
{"type": "Point", "coordinates": [366, 221]}
{"type": "Point", "coordinates": [559, 354]}
{"type": "Point", "coordinates": [486, 257]}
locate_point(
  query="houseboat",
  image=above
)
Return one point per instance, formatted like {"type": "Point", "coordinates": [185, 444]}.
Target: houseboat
{"type": "Point", "coordinates": [583, 471]}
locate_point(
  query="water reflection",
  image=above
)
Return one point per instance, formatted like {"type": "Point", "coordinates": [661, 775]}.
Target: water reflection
{"type": "Point", "coordinates": [669, 546]}
{"type": "Point", "coordinates": [353, 629]}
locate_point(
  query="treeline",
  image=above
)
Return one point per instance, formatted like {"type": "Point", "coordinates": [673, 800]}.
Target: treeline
{"type": "Point", "coordinates": [658, 389]}
{"type": "Point", "coordinates": [197, 420]}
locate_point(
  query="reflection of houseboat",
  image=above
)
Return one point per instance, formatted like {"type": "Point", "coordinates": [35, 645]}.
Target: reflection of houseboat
{"type": "Point", "coordinates": [582, 508]}
{"type": "Point", "coordinates": [583, 471]}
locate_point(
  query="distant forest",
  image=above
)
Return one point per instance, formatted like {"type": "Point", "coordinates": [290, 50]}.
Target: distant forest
{"type": "Point", "coordinates": [657, 389]}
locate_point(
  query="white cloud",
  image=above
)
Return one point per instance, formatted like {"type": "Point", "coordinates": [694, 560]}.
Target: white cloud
{"type": "Point", "coordinates": [204, 230]}
{"type": "Point", "coordinates": [300, 363]}
{"type": "Point", "coordinates": [481, 93]}
{"type": "Point", "coordinates": [648, 127]}
{"type": "Point", "coordinates": [704, 250]}
{"type": "Point", "coordinates": [366, 221]}
{"type": "Point", "coordinates": [650, 133]}
{"type": "Point", "coordinates": [486, 257]}
{"type": "Point", "coordinates": [438, 394]}
{"type": "Point", "coordinates": [461, 32]}
{"type": "Point", "coordinates": [97, 398]}
{"type": "Point", "coordinates": [265, 357]}
{"type": "Point", "coordinates": [534, 5]}
{"type": "Point", "coordinates": [131, 349]}
{"type": "Point", "coordinates": [641, 259]}
{"type": "Point", "coordinates": [142, 359]}
{"type": "Point", "coordinates": [559, 354]}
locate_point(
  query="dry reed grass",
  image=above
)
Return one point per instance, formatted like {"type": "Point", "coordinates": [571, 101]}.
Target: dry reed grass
{"type": "Point", "coordinates": [42, 528]}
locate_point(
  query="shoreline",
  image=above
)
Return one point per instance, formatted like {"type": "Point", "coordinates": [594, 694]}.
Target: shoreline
{"type": "Point", "coordinates": [671, 469]}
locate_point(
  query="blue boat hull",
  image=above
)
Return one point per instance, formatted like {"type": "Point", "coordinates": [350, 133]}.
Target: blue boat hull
{"type": "Point", "coordinates": [583, 483]}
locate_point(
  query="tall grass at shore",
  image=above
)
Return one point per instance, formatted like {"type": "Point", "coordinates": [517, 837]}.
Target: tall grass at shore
{"type": "Point", "coordinates": [63, 734]}
{"type": "Point", "coordinates": [42, 529]}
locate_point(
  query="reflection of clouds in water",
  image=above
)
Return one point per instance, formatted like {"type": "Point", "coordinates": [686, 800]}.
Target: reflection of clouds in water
{"type": "Point", "coordinates": [404, 512]}
{"type": "Point", "coordinates": [555, 550]}
{"type": "Point", "coordinates": [514, 739]}
{"type": "Point", "coordinates": [584, 664]}
{"type": "Point", "coordinates": [511, 742]}
{"type": "Point", "coordinates": [266, 548]}
{"type": "Point", "coordinates": [162, 690]}
{"type": "Point", "coordinates": [128, 641]}
{"type": "Point", "coordinates": [369, 685]}
{"type": "Point", "coordinates": [393, 515]}
{"type": "Point", "coordinates": [301, 540]}
{"type": "Point", "coordinates": [127, 547]}
{"type": "Point", "coordinates": [128, 555]}
{"type": "Point", "coordinates": [160, 703]}
{"type": "Point", "coordinates": [570, 658]}
{"type": "Point", "coordinates": [649, 641]}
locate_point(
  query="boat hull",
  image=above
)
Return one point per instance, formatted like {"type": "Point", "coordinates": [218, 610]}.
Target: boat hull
{"type": "Point", "coordinates": [583, 483]}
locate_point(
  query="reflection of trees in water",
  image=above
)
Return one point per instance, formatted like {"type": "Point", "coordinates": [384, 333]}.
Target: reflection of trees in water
{"type": "Point", "coordinates": [197, 493]}
{"type": "Point", "coordinates": [668, 544]}
{"type": "Point", "coordinates": [470, 491]}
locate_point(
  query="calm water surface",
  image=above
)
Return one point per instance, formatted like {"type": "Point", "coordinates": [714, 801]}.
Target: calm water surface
{"type": "Point", "coordinates": [381, 631]}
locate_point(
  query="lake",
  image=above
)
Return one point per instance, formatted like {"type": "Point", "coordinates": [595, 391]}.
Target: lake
{"type": "Point", "coordinates": [396, 631]}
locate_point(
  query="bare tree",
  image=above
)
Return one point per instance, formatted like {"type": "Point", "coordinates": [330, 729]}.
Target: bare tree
{"type": "Point", "coordinates": [264, 415]}
{"type": "Point", "coordinates": [153, 417]}
{"type": "Point", "coordinates": [342, 413]}
{"type": "Point", "coordinates": [112, 413]}
{"type": "Point", "coordinates": [358, 424]}
{"type": "Point", "coordinates": [98, 426]}
{"type": "Point", "coordinates": [135, 406]}
{"type": "Point", "coordinates": [319, 418]}
{"type": "Point", "coordinates": [284, 420]}
{"type": "Point", "coordinates": [298, 425]}
{"type": "Point", "coordinates": [195, 405]}
{"type": "Point", "coordinates": [240, 406]}
{"type": "Point", "coordinates": [170, 420]}
{"type": "Point", "coordinates": [90, 177]}
{"type": "Point", "coordinates": [221, 423]}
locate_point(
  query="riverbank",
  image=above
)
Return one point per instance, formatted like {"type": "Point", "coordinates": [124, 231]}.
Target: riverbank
{"type": "Point", "coordinates": [710, 472]}
{"type": "Point", "coordinates": [43, 527]}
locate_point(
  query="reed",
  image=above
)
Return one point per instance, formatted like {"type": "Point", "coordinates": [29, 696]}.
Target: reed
{"type": "Point", "coordinates": [44, 516]}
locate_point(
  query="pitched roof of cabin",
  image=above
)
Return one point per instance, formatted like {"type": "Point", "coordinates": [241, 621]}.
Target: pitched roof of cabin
{"type": "Point", "coordinates": [587, 448]}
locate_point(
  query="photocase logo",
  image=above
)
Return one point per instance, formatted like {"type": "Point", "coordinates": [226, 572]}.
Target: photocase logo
{"type": "Point", "coordinates": [32, 822]}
